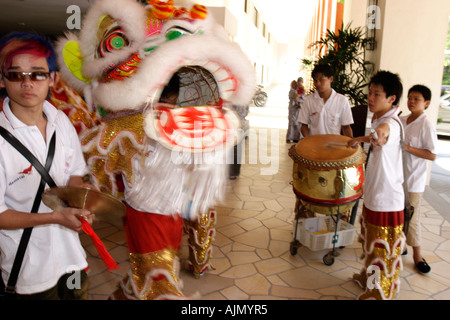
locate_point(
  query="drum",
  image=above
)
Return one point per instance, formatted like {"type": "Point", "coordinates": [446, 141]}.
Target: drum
{"type": "Point", "coordinates": [328, 176]}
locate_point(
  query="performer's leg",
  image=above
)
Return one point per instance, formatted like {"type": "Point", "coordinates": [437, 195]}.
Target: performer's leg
{"type": "Point", "coordinates": [201, 233]}
{"type": "Point", "coordinates": [361, 277]}
{"type": "Point", "coordinates": [153, 242]}
{"type": "Point", "coordinates": [383, 244]}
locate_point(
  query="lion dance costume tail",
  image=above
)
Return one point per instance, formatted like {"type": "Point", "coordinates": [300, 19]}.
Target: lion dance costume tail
{"type": "Point", "coordinates": [383, 241]}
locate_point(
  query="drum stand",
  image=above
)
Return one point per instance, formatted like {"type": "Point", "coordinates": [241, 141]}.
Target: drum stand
{"type": "Point", "coordinates": [328, 259]}
{"type": "Point", "coordinates": [300, 212]}
{"type": "Point", "coordinates": [303, 212]}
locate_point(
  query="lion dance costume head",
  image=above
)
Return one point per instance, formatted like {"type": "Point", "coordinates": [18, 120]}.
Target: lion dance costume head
{"type": "Point", "coordinates": [158, 81]}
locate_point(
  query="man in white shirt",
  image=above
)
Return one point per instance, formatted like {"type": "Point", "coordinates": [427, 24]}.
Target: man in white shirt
{"type": "Point", "coordinates": [54, 251]}
{"type": "Point", "coordinates": [325, 111]}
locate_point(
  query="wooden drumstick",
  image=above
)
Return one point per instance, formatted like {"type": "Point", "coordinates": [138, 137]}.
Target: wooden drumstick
{"type": "Point", "coordinates": [337, 144]}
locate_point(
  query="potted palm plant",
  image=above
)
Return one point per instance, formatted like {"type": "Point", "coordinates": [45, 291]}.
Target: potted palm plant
{"type": "Point", "coordinates": [345, 52]}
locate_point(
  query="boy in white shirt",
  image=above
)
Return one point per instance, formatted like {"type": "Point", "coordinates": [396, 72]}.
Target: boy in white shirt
{"type": "Point", "coordinates": [325, 111]}
{"type": "Point", "coordinates": [382, 217]}
{"type": "Point", "coordinates": [420, 146]}
{"type": "Point", "coordinates": [54, 251]}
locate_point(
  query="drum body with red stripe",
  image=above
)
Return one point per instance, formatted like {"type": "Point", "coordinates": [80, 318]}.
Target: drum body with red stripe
{"type": "Point", "coordinates": [328, 175]}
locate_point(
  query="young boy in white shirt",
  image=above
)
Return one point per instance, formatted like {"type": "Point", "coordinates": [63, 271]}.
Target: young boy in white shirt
{"type": "Point", "coordinates": [325, 111]}
{"type": "Point", "coordinates": [420, 147]}
{"type": "Point", "coordinates": [382, 217]}
{"type": "Point", "coordinates": [54, 250]}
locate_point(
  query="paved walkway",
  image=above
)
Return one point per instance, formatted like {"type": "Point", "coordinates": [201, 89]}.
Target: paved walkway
{"type": "Point", "coordinates": [254, 230]}
{"type": "Point", "coordinates": [438, 191]}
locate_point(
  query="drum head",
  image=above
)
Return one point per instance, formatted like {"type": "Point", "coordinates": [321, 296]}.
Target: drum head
{"type": "Point", "coordinates": [326, 151]}
{"type": "Point", "coordinates": [324, 147]}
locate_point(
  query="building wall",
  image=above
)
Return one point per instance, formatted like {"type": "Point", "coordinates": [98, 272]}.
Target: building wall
{"type": "Point", "coordinates": [246, 26]}
{"type": "Point", "coordinates": [275, 62]}
{"type": "Point", "coordinates": [412, 43]}
{"type": "Point", "coordinates": [410, 40]}
{"type": "Point", "coordinates": [329, 15]}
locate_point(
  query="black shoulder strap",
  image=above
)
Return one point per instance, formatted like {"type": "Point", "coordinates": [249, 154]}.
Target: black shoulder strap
{"type": "Point", "coordinates": [30, 157]}
{"type": "Point", "coordinates": [46, 178]}
{"type": "Point", "coordinates": [405, 175]}
{"type": "Point", "coordinates": [409, 209]}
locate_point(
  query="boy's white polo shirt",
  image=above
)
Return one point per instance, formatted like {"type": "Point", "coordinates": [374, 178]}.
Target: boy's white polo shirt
{"type": "Point", "coordinates": [53, 250]}
{"type": "Point", "coordinates": [383, 182]}
{"type": "Point", "coordinates": [326, 118]}
{"type": "Point", "coordinates": [419, 134]}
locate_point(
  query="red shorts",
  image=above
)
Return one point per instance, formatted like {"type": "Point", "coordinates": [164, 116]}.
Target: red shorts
{"type": "Point", "coordinates": [149, 232]}
{"type": "Point", "coordinates": [384, 219]}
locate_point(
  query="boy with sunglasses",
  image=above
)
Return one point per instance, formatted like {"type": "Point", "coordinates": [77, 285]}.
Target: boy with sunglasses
{"type": "Point", "coordinates": [54, 261]}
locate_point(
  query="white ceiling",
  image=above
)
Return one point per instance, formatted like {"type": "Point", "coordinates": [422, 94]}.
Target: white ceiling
{"type": "Point", "coordinates": [44, 16]}
{"type": "Point", "coordinates": [285, 18]}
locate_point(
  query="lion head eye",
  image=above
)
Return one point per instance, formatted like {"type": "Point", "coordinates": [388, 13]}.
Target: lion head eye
{"type": "Point", "coordinates": [116, 42]}
{"type": "Point", "coordinates": [176, 32]}
{"type": "Point", "coordinates": [113, 41]}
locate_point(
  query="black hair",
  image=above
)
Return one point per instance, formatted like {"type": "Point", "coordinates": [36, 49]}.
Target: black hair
{"type": "Point", "coordinates": [425, 91]}
{"type": "Point", "coordinates": [391, 83]}
{"type": "Point", "coordinates": [324, 69]}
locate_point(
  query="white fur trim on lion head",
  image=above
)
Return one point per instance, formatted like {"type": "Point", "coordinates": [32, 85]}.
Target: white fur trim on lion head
{"type": "Point", "coordinates": [204, 43]}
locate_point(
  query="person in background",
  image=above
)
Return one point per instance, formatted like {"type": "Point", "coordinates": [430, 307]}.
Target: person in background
{"type": "Point", "coordinates": [293, 132]}
{"type": "Point", "coordinates": [300, 87]}
{"type": "Point", "coordinates": [235, 163]}
{"type": "Point", "coordinates": [54, 255]}
{"type": "Point", "coordinates": [420, 147]}
{"type": "Point", "coordinates": [325, 111]}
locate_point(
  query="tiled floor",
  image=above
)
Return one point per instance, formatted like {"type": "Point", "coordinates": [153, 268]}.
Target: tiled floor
{"type": "Point", "coordinates": [254, 226]}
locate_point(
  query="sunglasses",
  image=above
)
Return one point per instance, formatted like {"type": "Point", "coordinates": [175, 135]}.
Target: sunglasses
{"type": "Point", "coordinates": [17, 76]}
